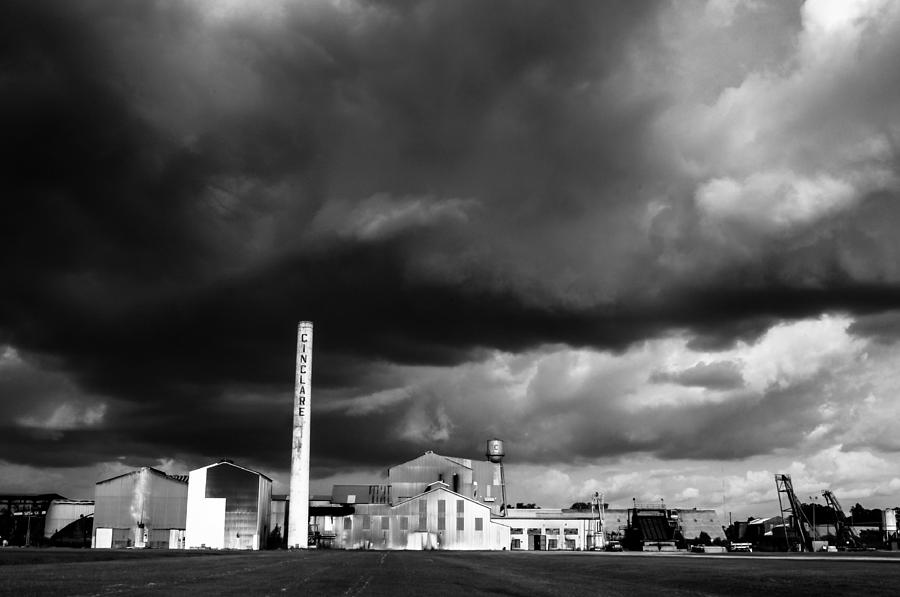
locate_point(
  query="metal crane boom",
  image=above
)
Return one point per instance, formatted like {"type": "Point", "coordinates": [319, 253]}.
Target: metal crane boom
{"type": "Point", "coordinates": [792, 511]}
{"type": "Point", "coordinates": [845, 532]}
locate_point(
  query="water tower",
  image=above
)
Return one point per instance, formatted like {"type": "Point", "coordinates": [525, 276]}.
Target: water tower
{"type": "Point", "coordinates": [495, 454]}
{"type": "Point", "coordinates": [495, 451]}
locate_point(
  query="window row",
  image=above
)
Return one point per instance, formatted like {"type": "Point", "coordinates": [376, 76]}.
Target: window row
{"type": "Point", "coordinates": [537, 531]}
{"type": "Point", "coordinates": [366, 522]}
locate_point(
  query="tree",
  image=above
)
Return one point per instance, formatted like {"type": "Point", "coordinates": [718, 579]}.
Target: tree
{"type": "Point", "coordinates": [862, 515]}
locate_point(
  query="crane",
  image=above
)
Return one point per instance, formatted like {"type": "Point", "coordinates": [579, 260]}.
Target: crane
{"type": "Point", "coordinates": [791, 511]}
{"type": "Point", "coordinates": [845, 533]}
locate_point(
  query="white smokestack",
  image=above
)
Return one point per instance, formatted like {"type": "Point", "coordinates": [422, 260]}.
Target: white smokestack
{"type": "Point", "coordinates": [298, 518]}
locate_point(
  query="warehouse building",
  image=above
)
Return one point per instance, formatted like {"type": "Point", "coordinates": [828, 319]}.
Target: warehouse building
{"type": "Point", "coordinates": [437, 518]}
{"type": "Point", "coordinates": [69, 523]}
{"type": "Point", "coordinates": [445, 502]}
{"type": "Point", "coordinates": [228, 507]}
{"type": "Point", "coordinates": [143, 508]}
{"type": "Point", "coordinates": [480, 481]}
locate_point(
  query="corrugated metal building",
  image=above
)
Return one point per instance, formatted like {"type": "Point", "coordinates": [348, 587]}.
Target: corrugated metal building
{"type": "Point", "coordinates": [437, 518]}
{"type": "Point", "coordinates": [228, 507]}
{"type": "Point", "coordinates": [361, 494]}
{"type": "Point", "coordinates": [143, 508]}
{"type": "Point", "coordinates": [69, 522]}
{"type": "Point", "coordinates": [477, 480]}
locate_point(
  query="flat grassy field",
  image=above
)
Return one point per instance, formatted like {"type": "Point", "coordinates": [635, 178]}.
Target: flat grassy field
{"type": "Point", "coordinates": [131, 572]}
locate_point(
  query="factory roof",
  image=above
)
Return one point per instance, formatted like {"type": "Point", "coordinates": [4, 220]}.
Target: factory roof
{"type": "Point", "coordinates": [177, 478]}
{"type": "Point", "coordinates": [230, 463]}
{"type": "Point", "coordinates": [438, 486]}
{"type": "Point", "coordinates": [548, 513]}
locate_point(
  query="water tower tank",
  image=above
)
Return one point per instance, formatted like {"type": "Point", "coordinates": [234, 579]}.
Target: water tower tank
{"type": "Point", "coordinates": [495, 451]}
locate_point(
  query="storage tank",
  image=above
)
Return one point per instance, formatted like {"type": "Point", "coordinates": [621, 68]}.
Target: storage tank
{"type": "Point", "coordinates": [495, 451]}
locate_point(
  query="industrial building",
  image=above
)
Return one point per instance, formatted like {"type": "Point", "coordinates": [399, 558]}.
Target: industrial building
{"type": "Point", "coordinates": [480, 481]}
{"type": "Point", "coordinates": [437, 518]}
{"type": "Point", "coordinates": [143, 508]}
{"type": "Point", "coordinates": [22, 517]}
{"type": "Point", "coordinates": [432, 502]}
{"type": "Point", "coordinates": [445, 502]}
{"type": "Point", "coordinates": [228, 507]}
{"type": "Point", "coordinates": [69, 523]}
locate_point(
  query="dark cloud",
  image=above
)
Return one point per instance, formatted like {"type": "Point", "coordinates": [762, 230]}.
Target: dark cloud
{"type": "Point", "coordinates": [428, 182]}
{"type": "Point", "coordinates": [883, 327]}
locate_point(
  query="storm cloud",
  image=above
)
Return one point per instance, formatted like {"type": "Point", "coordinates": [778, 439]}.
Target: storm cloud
{"type": "Point", "coordinates": [581, 227]}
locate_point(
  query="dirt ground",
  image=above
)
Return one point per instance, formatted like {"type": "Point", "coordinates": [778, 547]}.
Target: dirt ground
{"type": "Point", "coordinates": [130, 572]}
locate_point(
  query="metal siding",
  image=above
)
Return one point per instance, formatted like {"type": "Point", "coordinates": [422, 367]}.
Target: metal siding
{"type": "Point", "coordinates": [487, 474]}
{"type": "Point", "coordinates": [362, 494]}
{"type": "Point", "coordinates": [411, 478]}
{"type": "Point", "coordinates": [140, 497]}
{"type": "Point", "coordinates": [112, 502]}
{"type": "Point", "coordinates": [61, 514]}
{"type": "Point", "coordinates": [264, 509]}
{"type": "Point", "coordinates": [240, 489]}
{"type": "Point", "coordinates": [428, 536]}
{"type": "Point", "coordinates": [166, 503]}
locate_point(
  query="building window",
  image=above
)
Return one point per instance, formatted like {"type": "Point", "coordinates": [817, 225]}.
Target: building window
{"type": "Point", "coordinates": [385, 523]}
{"type": "Point", "coordinates": [460, 515]}
{"type": "Point", "coordinates": [442, 515]}
{"type": "Point", "coordinates": [552, 531]}
{"type": "Point", "coordinates": [423, 515]}
{"type": "Point", "coordinates": [570, 531]}
{"type": "Point", "coordinates": [367, 522]}
{"type": "Point", "coordinates": [515, 531]}
{"type": "Point", "coordinates": [551, 543]}
{"type": "Point", "coordinates": [479, 524]}
{"type": "Point", "coordinates": [570, 544]}
{"type": "Point", "coordinates": [516, 544]}
{"type": "Point", "coordinates": [348, 523]}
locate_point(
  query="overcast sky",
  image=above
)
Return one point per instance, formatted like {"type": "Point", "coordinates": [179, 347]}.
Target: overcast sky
{"type": "Point", "coordinates": [653, 246]}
